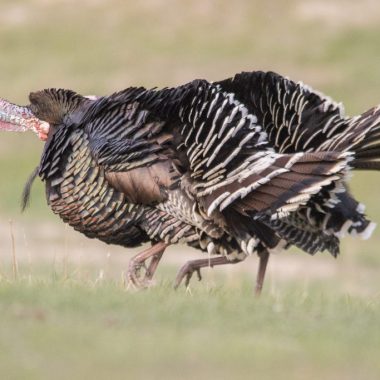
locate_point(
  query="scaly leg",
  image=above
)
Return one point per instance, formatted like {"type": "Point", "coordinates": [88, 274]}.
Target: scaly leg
{"type": "Point", "coordinates": [137, 262]}
{"type": "Point", "coordinates": [153, 265]}
{"type": "Point", "coordinates": [263, 257]}
{"type": "Point", "coordinates": [195, 266]}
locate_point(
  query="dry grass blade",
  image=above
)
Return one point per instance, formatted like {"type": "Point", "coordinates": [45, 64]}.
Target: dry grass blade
{"type": "Point", "coordinates": [14, 257]}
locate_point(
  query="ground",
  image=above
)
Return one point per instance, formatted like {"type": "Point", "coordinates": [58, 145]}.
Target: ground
{"type": "Point", "coordinates": [87, 329]}
{"type": "Point", "coordinates": [75, 316]}
{"type": "Point", "coordinates": [66, 312]}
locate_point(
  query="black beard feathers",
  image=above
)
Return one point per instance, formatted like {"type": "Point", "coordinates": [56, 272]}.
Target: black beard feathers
{"type": "Point", "coordinates": [25, 198]}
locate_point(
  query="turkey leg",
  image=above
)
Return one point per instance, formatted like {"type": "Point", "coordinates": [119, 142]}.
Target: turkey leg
{"type": "Point", "coordinates": [195, 266]}
{"type": "Point", "coordinates": [155, 252]}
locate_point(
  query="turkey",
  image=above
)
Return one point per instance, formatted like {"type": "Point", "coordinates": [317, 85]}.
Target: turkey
{"type": "Point", "coordinates": [251, 164]}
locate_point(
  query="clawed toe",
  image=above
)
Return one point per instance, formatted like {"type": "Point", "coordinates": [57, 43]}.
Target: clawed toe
{"type": "Point", "coordinates": [136, 278]}
{"type": "Point", "coordinates": [134, 275]}
{"type": "Point", "coordinates": [195, 266]}
{"type": "Point", "coordinates": [138, 262]}
{"type": "Point", "coordinates": [187, 272]}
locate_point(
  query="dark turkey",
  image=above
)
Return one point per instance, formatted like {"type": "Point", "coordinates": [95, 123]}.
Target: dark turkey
{"type": "Point", "coordinates": [250, 164]}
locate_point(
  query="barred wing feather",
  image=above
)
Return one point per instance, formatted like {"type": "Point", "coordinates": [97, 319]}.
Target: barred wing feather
{"type": "Point", "coordinates": [296, 117]}
{"type": "Point", "coordinates": [230, 157]}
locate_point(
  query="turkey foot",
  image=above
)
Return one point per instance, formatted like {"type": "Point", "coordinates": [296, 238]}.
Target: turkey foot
{"type": "Point", "coordinates": [190, 267]}
{"type": "Point", "coordinates": [138, 262]}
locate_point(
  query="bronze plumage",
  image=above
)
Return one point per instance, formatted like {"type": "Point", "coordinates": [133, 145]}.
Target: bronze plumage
{"type": "Point", "coordinates": [247, 165]}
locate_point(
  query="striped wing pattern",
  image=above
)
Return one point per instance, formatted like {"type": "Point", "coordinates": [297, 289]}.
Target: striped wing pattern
{"type": "Point", "coordinates": [298, 118]}
{"type": "Point", "coordinates": [255, 161]}
{"type": "Point", "coordinates": [230, 156]}
{"type": "Point", "coordinates": [231, 163]}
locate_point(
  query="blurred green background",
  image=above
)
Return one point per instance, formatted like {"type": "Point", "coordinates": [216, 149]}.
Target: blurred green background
{"type": "Point", "coordinates": [65, 308]}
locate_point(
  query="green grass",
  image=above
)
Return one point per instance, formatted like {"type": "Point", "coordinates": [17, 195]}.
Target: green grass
{"type": "Point", "coordinates": [75, 329]}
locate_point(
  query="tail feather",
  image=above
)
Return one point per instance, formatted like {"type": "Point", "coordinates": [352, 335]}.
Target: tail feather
{"type": "Point", "coordinates": [370, 152]}
{"type": "Point", "coordinates": [366, 164]}
{"type": "Point", "coordinates": [363, 138]}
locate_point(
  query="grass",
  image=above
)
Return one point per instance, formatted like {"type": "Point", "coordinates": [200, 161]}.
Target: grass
{"type": "Point", "coordinates": [78, 329]}
{"type": "Point", "coordinates": [80, 321]}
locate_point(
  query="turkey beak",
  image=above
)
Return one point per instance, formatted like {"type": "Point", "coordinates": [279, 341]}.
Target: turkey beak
{"type": "Point", "coordinates": [21, 119]}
